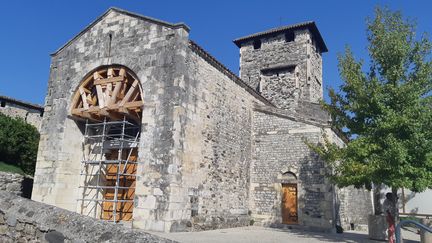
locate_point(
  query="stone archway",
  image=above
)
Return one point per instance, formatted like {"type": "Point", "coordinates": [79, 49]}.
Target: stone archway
{"type": "Point", "coordinates": [108, 92]}
{"type": "Point", "coordinates": [110, 100]}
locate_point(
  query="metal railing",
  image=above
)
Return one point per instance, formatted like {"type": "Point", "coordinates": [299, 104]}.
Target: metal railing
{"type": "Point", "coordinates": [405, 222]}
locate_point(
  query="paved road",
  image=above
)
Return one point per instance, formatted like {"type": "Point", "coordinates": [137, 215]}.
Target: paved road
{"type": "Point", "coordinates": [270, 235]}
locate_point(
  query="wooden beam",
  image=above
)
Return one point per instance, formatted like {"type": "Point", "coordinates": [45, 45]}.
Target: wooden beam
{"type": "Point", "coordinates": [108, 92]}
{"type": "Point", "coordinates": [122, 72]}
{"type": "Point", "coordinates": [97, 76]}
{"type": "Point", "coordinates": [110, 73]}
{"type": "Point", "coordinates": [84, 98]}
{"type": "Point", "coordinates": [130, 92]}
{"type": "Point", "coordinates": [117, 87]}
{"type": "Point", "coordinates": [100, 96]}
{"type": "Point", "coordinates": [91, 100]}
{"type": "Point", "coordinates": [86, 115]}
{"type": "Point", "coordinates": [133, 104]}
{"type": "Point", "coordinates": [109, 80]}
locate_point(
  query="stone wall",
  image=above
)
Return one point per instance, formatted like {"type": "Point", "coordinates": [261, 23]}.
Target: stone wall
{"type": "Point", "coordinates": [154, 51]}
{"type": "Point", "coordinates": [30, 115]}
{"type": "Point", "coordinates": [215, 144]}
{"type": "Point", "coordinates": [354, 207]}
{"type": "Point", "coordinates": [285, 72]}
{"type": "Point", "coordinates": [16, 184]}
{"type": "Point", "coordinates": [23, 220]}
{"type": "Point", "coordinates": [280, 148]}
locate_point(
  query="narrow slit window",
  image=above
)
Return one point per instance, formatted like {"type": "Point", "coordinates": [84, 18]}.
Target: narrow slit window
{"type": "Point", "coordinates": [257, 44]}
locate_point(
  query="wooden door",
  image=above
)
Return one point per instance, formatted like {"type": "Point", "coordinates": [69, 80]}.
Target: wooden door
{"type": "Point", "coordinates": [126, 190]}
{"type": "Point", "coordinates": [289, 204]}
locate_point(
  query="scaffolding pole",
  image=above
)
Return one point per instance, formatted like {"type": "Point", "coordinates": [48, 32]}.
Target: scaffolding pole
{"type": "Point", "coordinates": [98, 170]}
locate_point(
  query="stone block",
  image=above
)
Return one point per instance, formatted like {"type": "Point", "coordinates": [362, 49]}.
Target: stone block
{"type": "Point", "coordinates": [3, 229]}
{"type": "Point", "coordinates": [377, 227]}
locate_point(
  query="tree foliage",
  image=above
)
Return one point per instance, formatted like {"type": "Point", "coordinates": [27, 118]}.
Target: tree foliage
{"type": "Point", "coordinates": [385, 111]}
{"type": "Point", "coordinates": [18, 143]}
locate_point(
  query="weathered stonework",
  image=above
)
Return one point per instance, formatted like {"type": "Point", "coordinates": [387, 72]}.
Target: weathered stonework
{"type": "Point", "coordinates": [285, 71]}
{"type": "Point", "coordinates": [213, 150]}
{"type": "Point", "coordinates": [16, 184]}
{"type": "Point", "coordinates": [355, 205]}
{"type": "Point", "coordinates": [23, 220]}
{"type": "Point", "coordinates": [30, 113]}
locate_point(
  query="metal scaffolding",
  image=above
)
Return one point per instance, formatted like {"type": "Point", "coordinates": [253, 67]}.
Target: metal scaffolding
{"type": "Point", "coordinates": [108, 170]}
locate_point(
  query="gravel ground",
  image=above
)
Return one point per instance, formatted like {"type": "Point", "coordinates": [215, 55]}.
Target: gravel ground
{"type": "Point", "coordinates": [270, 235]}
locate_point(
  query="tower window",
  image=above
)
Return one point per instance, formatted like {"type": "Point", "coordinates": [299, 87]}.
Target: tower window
{"type": "Point", "coordinates": [290, 36]}
{"type": "Point", "coordinates": [257, 44]}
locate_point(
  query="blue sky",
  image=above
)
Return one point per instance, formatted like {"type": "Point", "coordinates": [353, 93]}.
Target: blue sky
{"type": "Point", "coordinates": [31, 30]}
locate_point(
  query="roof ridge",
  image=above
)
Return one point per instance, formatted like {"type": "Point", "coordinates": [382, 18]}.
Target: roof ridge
{"type": "Point", "coordinates": [129, 13]}
{"type": "Point", "coordinates": [21, 102]}
{"type": "Point", "coordinates": [306, 24]}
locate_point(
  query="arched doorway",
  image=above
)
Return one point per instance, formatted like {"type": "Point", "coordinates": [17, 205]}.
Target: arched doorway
{"type": "Point", "coordinates": [109, 100]}
{"type": "Point", "coordinates": [111, 92]}
{"type": "Point", "coordinates": [289, 209]}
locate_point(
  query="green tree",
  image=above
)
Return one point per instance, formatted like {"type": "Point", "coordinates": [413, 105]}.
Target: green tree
{"type": "Point", "coordinates": [386, 111]}
{"type": "Point", "coordinates": [18, 143]}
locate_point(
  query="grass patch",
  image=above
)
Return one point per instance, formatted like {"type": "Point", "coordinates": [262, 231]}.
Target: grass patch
{"type": "Point", "coordinates": [10, 168]}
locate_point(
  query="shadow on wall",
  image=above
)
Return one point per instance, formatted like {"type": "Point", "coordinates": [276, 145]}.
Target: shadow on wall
{"type": "Point", "coordinates": [314, 189]}
{"type": "Point", "coordinates": [27, 187]}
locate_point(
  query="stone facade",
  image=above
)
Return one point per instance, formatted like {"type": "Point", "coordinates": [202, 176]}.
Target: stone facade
{"type": "Point", "coordinates": [23, 220]}
{"type": "Point", "coordinates": [285, 66]}
{"type": "Point", "coordinates": [280, 148]}
{"type": "Point", "coordinates": [30, 113]}
{"type": "Point", "coordinates": [212, 148]}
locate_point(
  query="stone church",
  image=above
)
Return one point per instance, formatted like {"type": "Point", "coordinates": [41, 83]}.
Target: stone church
{"type": "Point", "coordinates": [145, 128]}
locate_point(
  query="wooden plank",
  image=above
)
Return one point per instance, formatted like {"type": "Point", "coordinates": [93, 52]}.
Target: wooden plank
{"type": "Point", "coordinates": [84, 98]}
{"type": "Point", "coordinates": [122, 72]}
{"type": "Point", "coordinates": [86, 115]}
{"type": "Point", "coordinates": [117, 87]}
{"type": "Point", "coordinates": [100, 96]}
{"type": "Point", "coordinates": [109, 80]}
{"type": "Point", "coordinates": [108, 92]}
{"type": "Point", "coordinates": [133, 104]}
{"type": "Point", "coordinates": [97, 76]}
{"type": "Point", "coordinates": [110, 73]}
{"type": "Point", "coordinates": [90, 100]}
{"type": "Point", "coordinates": [130, 92]}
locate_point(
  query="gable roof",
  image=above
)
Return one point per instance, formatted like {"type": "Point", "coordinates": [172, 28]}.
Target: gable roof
{"type": "Point", "coordinates": [22, 103]}
{"type": "Point", "coordinates": [310, 25]}
{"type": "Point", "coordinates": [125, 12]}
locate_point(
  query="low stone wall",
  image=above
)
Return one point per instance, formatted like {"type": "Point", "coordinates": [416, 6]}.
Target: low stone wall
{"type": "Point", "coordinates": [15, 183]}
{"type": "Point", "coordinates": [23, 220]}
{"type": "Point", "coordinates": [355, 205]}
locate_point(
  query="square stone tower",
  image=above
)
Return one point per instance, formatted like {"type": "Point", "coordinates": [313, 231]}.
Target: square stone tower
{"type": "Point", "coordinates": [284, 64]}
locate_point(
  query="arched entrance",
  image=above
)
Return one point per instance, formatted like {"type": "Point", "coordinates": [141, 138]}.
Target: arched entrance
{"type": "Point", "coordinates": [109, 92]}
{"type": "Point", "coordinates": [109, 100]}
{"type": "Point", "coordinates": [289, 208]}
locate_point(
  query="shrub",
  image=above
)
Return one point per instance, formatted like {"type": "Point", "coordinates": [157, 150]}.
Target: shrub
{"type": "Point", "coordinates": [18, 143]}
